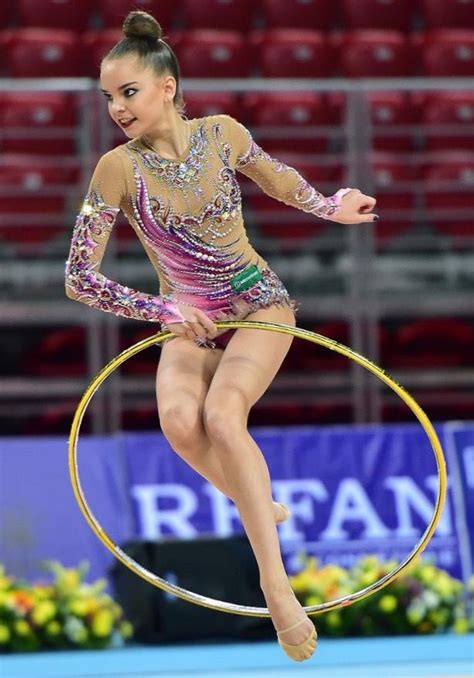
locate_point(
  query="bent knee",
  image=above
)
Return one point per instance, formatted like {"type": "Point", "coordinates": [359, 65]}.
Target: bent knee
{"type": "Point", "coordinates": [181, 422]}
{"type": "Point", "coordinates": [225, 413]}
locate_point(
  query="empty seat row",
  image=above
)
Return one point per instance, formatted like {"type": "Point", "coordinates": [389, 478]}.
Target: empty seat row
{"type": "Point", "coordinates": [424, 342]}
{"type": "Point", "coordinates": [242, 15]}
{"type": "Point", "coordinates": [273, 53]}
{"type": "Point", "coordinates": [39, 198]}
{"type": "Point", "coordinates": [46, 123]}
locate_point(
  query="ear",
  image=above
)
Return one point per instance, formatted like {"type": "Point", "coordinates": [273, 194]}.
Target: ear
{"type": "Point", "coordinates": [169, 87]}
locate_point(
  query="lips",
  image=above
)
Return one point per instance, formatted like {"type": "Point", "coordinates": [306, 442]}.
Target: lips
{"type": "Point", "coordinates": [126, 122]}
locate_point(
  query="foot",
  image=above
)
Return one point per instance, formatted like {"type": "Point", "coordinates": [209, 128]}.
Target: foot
{"type": "Point", "coordinates": [282, 513]}
{"type": "Point", "coordinates": [296, 632]}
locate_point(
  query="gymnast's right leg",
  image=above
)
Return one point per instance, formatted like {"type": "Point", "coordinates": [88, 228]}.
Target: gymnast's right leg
{"type": "Point", "coordinates": [183, 377]}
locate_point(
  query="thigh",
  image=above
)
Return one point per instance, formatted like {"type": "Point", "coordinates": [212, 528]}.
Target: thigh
{"type": "Point", "coordinates": [251, 359]}
{"type": "Point", "coordinates": [184, 370]}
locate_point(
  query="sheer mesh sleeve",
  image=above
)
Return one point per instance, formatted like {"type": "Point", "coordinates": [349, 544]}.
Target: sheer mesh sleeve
{"type": "Point", "coordinates": [91, 233]}
{"type": "Point", "coordinates": [277, 179]}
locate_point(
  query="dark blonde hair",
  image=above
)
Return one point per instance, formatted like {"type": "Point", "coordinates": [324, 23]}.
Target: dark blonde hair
{"type": "Point", "coordinates": [143, 38]}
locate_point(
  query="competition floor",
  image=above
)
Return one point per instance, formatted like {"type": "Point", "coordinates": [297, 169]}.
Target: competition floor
{"type": "Point", "coordinates": [433, 657]}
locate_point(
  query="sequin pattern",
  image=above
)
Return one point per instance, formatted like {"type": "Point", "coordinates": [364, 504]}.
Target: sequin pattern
{"type": "Point", "coordinates": [188, 215]}
{"type": "Point", "coordinates": [88, 285]}
{"type": "Point", "coordinates": [303, 196]}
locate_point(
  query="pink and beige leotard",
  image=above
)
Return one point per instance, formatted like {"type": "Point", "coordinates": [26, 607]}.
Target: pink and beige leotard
{"type": "Point", "coordinates": [187, 214]}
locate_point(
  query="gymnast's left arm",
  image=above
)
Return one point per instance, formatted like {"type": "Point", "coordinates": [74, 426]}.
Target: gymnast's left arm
{"type": "Point", "coordinates": [346, 206]}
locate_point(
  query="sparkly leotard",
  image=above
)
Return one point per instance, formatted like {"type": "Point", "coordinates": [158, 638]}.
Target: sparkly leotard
{"type": "Point", "coordinates": [187, 214]}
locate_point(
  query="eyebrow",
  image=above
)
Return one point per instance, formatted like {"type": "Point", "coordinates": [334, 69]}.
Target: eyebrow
{"type": "Point", "coordinates": [127, 84]}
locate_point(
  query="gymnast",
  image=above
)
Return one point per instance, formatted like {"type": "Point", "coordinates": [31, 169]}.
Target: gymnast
{"type": "Point", "coordinates": [175, 181]}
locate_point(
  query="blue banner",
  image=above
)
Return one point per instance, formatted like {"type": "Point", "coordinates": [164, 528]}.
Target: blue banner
{"type": "Point", "coordinates": [351, 491]}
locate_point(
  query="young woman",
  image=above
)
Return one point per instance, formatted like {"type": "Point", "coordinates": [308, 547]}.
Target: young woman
{"type": "Point", "coordinates": [175, 182]}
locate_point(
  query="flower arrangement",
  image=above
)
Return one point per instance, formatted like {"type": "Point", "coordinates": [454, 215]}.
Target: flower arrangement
{"type": "Point", "coordinates": [66, 613]}
{"type": "Point", "coordinates": [423, 600]}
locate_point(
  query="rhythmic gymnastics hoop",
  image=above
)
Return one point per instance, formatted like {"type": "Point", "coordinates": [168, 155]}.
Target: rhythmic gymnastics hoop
{"type": "Point", "coordinates": [223, 606]}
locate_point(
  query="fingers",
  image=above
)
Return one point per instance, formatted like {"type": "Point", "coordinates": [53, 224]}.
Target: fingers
{"type": "Point", "coordinates": [365, 206]}
{"type": "Point", "coordinates": [207, 324]}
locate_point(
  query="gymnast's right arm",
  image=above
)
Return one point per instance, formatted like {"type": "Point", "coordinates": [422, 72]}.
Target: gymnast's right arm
{"type": "Point", "coordinates": [92, 230]}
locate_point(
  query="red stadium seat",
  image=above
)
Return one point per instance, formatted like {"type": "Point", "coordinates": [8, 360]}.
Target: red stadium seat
{"type": "Point", "coordinates": [448, 52]}
{"type": "Point", "coordinates": [287, 224]}
{"type": "Point", "coordinates": [377, 54]}
{"type": "Point", "coordinates": [319, 358]}
{"type": "Point", "coordinates": [449, 117]}
{"type": "Point", "coordinates": [294, 53]}
{"type": "Point", "coordinates": [113, 12]}
{"type": "Point", "coordinates": [213, 54]}
{"type": "Point", "coordinates": [284, 224]}
{"type": "Point", "coordinates": [309, 14]}
{"type": "Point", "coordinates": [396, 184]}
{"type": "Point", "coordinates": [201, 104]}
{"type": "Point", "coordinates": [34, 194]}
{"type": "Point", "coordinates": [55, 419]}
{"type": "Point", "coordinates": [37, 122]}
{"type": "Point", "coordinates": [448, 13]}
{"type": "Point", "coordinates": [42, 52]}
{"type": "Point", "coordinates": [439, 405]}
{"type": "Point", "coordinates": [144, 362]}
{"type": "Point", "coordinates": [97, 44]}
{"type": "Point", "coordinates": [396, 14]}
{"type": "Point", "coordinates": [6, 12]}
{"type": "Point", "coordinates": [292, 115]}
{"type": "Point", "coordinates": [230, 15]}
{"type": "Point", "coordinates": [70, 14]}
{"type": "Point", "coordinates": [389, 111]}
{"type": "Point", "coordinates": [432, 342]}
{"type": "Point", "coordinates": [60, 353]}
{"type": "Point", "coordinates": [141, 417]}
{"type": "Point", "coordinates": [449, 185]}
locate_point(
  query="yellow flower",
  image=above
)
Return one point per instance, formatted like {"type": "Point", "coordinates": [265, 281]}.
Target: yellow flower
{"type": "Point", "coordinates": [102, 623]}
{"type": "Point", "coordinates": [22, 628]}
{"type": "Point", "coordinates": [461, 626]}
{"type": "Point", "coordinates": [43, 592]}
{"type": "Point", "coordinates": [313, 600]}
{"type": "Point", "coordinates": [43, 612]}
{"type": "Point", "coordinates": [5, 582]}
{"type": "Point", "coordinates": [438, 617]}
{"type": "Point", "coordinates": [70, 579]}
{"type": "Point", "coordinates": [388, 603]}
{"type": "Point", "coordinates": [116, 610]}
{"type": "Point", "coordinates": [79, 607]}
{"type": "Point", "coordinates": [446, 585]}
{"type": "Point", "coordinates": [53, 628]}
{"type": "Point", "coordinates": [369, 577]}
{"type": "Point", "coordinates": [126, 629]}
{"type": "Point", "coordinates": [4, 634]}
{"type": "Point", "coordinates": [428, 574]}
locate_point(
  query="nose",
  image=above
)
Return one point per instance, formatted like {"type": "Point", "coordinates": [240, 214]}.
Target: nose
{"type": "Point", "coordinates": [118, 107]}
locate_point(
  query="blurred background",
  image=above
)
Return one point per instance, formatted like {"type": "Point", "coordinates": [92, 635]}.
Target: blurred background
{"type": "Point", "coordinates": [400, 293]}
{"type": "Point", "coordinates": [375, 94]}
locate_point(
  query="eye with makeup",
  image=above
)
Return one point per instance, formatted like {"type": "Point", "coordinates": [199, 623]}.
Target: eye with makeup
{"type": "Point", "coordinates": [129, 92]}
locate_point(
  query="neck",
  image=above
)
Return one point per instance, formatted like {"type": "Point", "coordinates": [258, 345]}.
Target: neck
{"type": "Point", "coordinates": [171, 139]}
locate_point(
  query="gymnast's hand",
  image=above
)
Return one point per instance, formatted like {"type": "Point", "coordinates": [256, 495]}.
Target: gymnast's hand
{"type": "Point", "coordinates": [356, 208]}
{"type": "Point", "coordinates": [197, 324]}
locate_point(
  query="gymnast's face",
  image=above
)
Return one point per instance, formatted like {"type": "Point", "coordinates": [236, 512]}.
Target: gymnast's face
{"type": "Point", "coordinates": [139, 100]}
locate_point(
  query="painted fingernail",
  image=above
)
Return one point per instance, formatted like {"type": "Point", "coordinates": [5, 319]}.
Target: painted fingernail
{"type": "Point", "coordinates": [376, 217]}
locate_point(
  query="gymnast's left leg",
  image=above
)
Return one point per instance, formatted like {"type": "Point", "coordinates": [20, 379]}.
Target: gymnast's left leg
{"type": "Point", "coordinates": [246, 369]}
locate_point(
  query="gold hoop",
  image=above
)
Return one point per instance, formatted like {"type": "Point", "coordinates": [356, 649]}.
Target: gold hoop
{"type": "Point", "coordinates": [223, 606]}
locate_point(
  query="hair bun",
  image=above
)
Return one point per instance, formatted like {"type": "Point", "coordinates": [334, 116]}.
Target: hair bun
{"type": "Point", "coordinates": [141, 25]}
